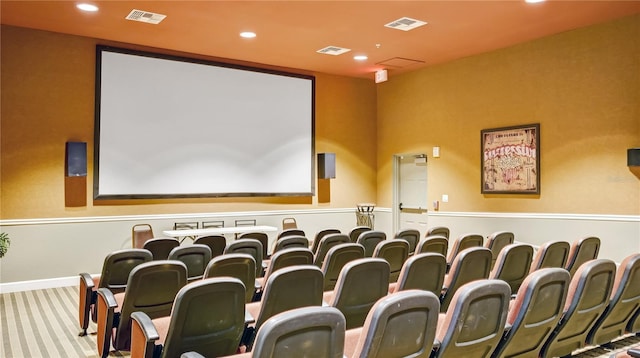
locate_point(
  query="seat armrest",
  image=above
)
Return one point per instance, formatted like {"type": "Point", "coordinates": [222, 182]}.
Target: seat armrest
{"type": "Point", "coordinates": [634, 352]}
{"type": "Point", "coordinates": [143, 335]}
{"type": "Point", "coordinates": [191, 355]}
{"type": "Point", "coordinates": [86, 301]}
{"type": "Point", "coordinates": [108, 297]}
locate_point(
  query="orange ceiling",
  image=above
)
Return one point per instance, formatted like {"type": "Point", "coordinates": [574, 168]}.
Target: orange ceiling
{"type": "Point", "coordinates": [290, 32]}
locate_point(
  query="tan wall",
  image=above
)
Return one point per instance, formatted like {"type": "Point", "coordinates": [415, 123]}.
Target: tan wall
{"type": "Point", "coordinates": [48, 99]}
{"type": "Point", "coordinates": [582, 86]}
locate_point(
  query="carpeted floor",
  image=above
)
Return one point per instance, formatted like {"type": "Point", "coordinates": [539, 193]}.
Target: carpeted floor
{"type": "Point", "coordinates": [44, 324]}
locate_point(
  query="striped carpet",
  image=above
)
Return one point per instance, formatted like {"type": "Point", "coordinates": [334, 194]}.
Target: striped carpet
{"type": "Point", "coordinates": [44, 324]}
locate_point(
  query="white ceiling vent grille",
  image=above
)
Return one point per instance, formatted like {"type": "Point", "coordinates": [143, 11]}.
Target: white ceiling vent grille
{"type": "Point", "coordinates": [405, 24]}
{"type": "Point", "coordinates": [145, 16]}
{"type": "Point", "coordinates": [333, 50]}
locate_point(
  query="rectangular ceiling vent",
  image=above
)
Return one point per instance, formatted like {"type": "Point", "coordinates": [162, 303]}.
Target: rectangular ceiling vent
{"type": "Point", "coordinates": [333, 50]}
{"type": "Point", "coordinates": [145, 16]}
{"type": "Point", "coordinates": [405, 24]}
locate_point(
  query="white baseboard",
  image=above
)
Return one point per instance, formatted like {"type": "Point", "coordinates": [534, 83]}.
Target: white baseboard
{"type": "Point", "coordinates": [39, 284]}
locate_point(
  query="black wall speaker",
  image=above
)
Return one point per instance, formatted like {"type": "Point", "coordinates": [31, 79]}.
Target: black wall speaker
{"type": "Point", "coordinates": [76, 159]}
{"type": "Point", "coordinates": [633, 157]}
{"type": "Point", "coordinates": [326, 165]}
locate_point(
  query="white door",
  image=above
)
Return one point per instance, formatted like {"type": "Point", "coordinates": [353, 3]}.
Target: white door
{"type": "Point", "coordinates": [410, 192]}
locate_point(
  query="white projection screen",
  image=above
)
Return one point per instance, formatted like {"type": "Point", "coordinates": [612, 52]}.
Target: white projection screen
{"type": "Point", "coordinates": [175, 127]}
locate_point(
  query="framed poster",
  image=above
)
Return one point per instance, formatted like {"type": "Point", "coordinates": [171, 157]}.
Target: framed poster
{"type": "Point", "coordinates": [511, 160]}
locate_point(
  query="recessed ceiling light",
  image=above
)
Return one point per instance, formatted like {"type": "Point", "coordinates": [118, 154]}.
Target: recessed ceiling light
{"type": "Point", "coordinates": [360, 57]}
{"type": "Point", "coordinates": [87, 7]}
{"type": "Point", "coordinates": [533, 1]}
{"type": "Point", "coordinates": [248, 34]}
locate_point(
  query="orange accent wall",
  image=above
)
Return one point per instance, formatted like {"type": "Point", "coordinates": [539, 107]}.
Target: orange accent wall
{"type": "Point", "coordinates": [582, 86]}
{"type": "Point", "coordinates": [48, 99]}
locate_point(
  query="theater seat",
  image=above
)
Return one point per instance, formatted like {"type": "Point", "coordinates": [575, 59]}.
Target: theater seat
{"type": "Point", "coordinates": [395, 252]}
{"type": "Point", "coordinates": [239, 266]}
{"type": "Point", "coordinates": [475, 321]}
{"type": "Point", "coordinates": [438, 231]}
{"type": "Point", "coordinates": [470, 265]}
{"type": "Point", "coordinates": [361, 284]}
{"type": "Point", "coordinates": [402, 324]}
{"type": "Point", "coordinates": [326, 243]}
{"type": "Point", "coordinates": [208, 317]}
{"type": "Point", "coordinates": [337, 257]}
{"type": "Point", "coordinates": [512, 265]}
{"type": "Point", "coordinates": [160, 247]}
{"type": "Point", "coordinates": [411, 236]}
{"type": "Point", "coordinates": [115, 274]}
{"type": "Point", "coordinates": [354, 233]}
{"type": "Point", "coordinates": [151, 288]}
{"type": "Point", "coordinates": [217, 243]}
{"type": "Point", "coordinates": [624, 303]}
{"type": "Point", "coordinates": [550, 254]}
{"type": "Point", "coordinates": [290, 241]}
{"type": "Point", "coordinates": [587, 298]}
{"type": "Point", "coordinates": [436, 244]}
{"type": "Point", "coordinates": [319, 235]}
{"type": "Point", "coordinates": [301, 332]}
{"type": "Point", "coordinates": [534, 313]}
{"type": "Point", "coordinates": [582, 250]}
{"type": "Point", "coordinates": [497, 241]}
{"type": "Point", "coordinates": [462, 242]}
{"type": "Point", "coordinates": [421, 272]}
{"type": "Point", "coordinates": [370, 239]}
{"type": "Point", "coordinates": [195, 257]}
{"type": "Point", "coordinates": [260, 236]}
{"type": "Point", "coordinates": [252, 247]}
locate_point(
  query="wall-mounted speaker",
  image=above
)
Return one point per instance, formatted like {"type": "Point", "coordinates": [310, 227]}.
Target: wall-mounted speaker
{"type": "Point", "coordinates": [76, 159]}
{"type": "Point", "coordinates": [326, 165]}
{"type": "Point", "coordinates": [633, 157]}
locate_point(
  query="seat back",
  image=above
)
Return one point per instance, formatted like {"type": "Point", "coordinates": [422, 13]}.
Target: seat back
{"type": "Point", "coordinates": [470, 265]}
{"type": "Point", "coordinates": [411, 236]}
{"type": "Point", "coordinates": [551, 254]}
{"type": "Point", "coordinates": [216, 243]}
{"type": "Point", "coordinates": [160, 247]}
{"type": "Point", "coordinates": [195, 257]}
{"type": "Point", "coordinates": [582, 250]}
{"type": "Point", "coordinates": [260, 236]}
{"type": "Point", "coordinates": [118, 265]}
{"type": "Point", "coordinates": [370, 239]}
{"type": "Point", "coordinates": [587, 298]}
{"type": "Point", "coordinates": [140, 233]}
{"type": "Point", "coordinates": [252, 247]}
{"type": "Point", "coordinates": [435, 243]}
{"type": "Point", "coordinates": [512, 265]}
{"type": "Point", "coordinates": [240, 266]}
{"type": "Point", "coordinates": [326, 243]}
{"type": "Point", "coordinates": [289, 288]}
{"type": "Point", "coordinates": [402, 324]}
{"type": "Point", "coordinates": [207, 317]}
{"type": "Point", "coordinates": [292, 241]}
{"type": "Point", "coordinates": [625, 300]}
{"type": "Point", "coordinates": [152, 288]}
{"type": "Point", "coordinates": [354, 234]}
{"type": "Point", "coordinates": [474, 324]}
{"type": "Point", "coordinates": [289, 223]}
{"type": "Point", "coordinates": [497, 241]}
{"type": "Point", "coordinates": [360, 285]}
{"type": "Point", "coordinates": [290, 232]}
{"type": "Point", "coordinates": [438, 231]}
{"type": "Point", "coordinates": [289, 257]}
{"type": "Point", "coordinates": [424, 271]}
{"type": "Point", "coordinates": [534, 313]}
{"type": "Point", "coordinates": [463, 242]}
{"type": "Point", "coordinates": [319, 235]}
{"type": "Point", "coordinates": [395, 252]}
{"type": "Point", "coordinates": [115, 273]}
{"type": "Point", "coordinates": [302, 332]}
{"type": "Point", "coordinates": [337, 257]}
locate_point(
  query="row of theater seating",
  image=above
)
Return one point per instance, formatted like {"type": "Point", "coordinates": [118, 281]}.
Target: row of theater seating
{"type": "Point", "coordinates": [550, 316]}
{"type": "Point", "coordinates": [393, 244]}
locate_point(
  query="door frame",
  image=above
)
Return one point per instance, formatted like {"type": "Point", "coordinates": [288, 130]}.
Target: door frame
{"type": "Point", "coordinates": [395, 210]}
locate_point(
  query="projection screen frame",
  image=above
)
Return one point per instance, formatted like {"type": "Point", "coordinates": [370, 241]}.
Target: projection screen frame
{"type": "Point", "coordinates": [97, 195]}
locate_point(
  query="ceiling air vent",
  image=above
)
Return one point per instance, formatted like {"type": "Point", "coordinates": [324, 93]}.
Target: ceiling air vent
{"type": "Point", "coordinates": [333, 50]}
{"type": "Point", "coordinates": [145, 16]}
{"type": "Point", "coordinates": [405, 24]}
